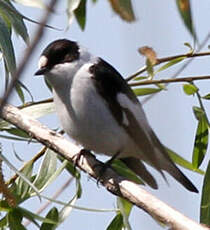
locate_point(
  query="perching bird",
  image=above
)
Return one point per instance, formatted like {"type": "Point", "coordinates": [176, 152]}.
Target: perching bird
{"type": "Point", "coordinates": [99, 110]}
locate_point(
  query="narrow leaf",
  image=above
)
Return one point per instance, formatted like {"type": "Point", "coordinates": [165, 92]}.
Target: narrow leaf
{"type": "Point", "coordinates": [117, 223]}
{"type": "Point", "coordinates": [6, 47]}
{"type": "Point", "coordinates": [207, 96]}
{"type": "Point", "coordinates": [124, 9]}
{"type": "Point", "coordinates": [32, 3]}
{"type": "Point", "coordinates": [80, 14]}
{"type": "Point", "coordinates": [53, 215]}
{"type": "Point", "coordinates": [205, 200]}
{"type": "Point", "coordinates": [186, 15]}
{"type": "Point", "coordinates": [146, 91]}
{"type": "Point", "coordinates": [47, 169]}
{"type": "Point", "coordinates": [198, 112]}
{"type": "Point", "coordinates": [170, 63]}
{"type": "Point", "coordinates": [15, 219]}
{"type": "Point", "coordinates": [123, 170]}
{"type": "Point", "coordinates": [125, 209]}
{"type": "Point", "coordinates": [183, 162]}
{"type": "Point", "coordinates": [201, 142]}
{"type": "Point", "coordinates": [190, 89]}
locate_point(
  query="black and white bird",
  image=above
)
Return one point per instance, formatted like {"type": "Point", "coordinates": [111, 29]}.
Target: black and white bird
{"type": "Point", "coordinates": [98, 109]}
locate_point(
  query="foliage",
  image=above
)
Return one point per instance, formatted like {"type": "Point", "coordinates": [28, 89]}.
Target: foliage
{"type": "Point", "coordinates": [28, 182]}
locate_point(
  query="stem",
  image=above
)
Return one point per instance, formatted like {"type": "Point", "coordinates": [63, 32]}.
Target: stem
{"type": "Point", "coordinates": [171, 80]}
{"type": "Point", "coordinates": [166, 59]}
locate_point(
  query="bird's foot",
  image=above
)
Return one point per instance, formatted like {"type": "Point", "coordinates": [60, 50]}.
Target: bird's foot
{"type": "Point", "coordinates": [77, 157]}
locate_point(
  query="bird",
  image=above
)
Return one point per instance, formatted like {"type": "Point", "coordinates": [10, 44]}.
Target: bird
{"type": "Point", "coordinates": [99, 111]}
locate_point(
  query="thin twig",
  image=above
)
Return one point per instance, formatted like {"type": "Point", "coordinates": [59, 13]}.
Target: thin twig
{"type": "Point", "coordinates": [182, 67]}
{"type": "Point", "coordinates": [55, 196]}
{"type": "Point", "coordinates": [166, 59]}
{"type": "Point", "coordinates": [114, 183]}
{"type": "Point", "coordinates": [170, 80]}
{"type": "Point", "coordinates": [28, 53]}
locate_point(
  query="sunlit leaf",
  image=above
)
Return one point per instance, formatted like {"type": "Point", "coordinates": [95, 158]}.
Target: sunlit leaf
{"type": "Point", "coordinates": [6, 47]}
{"type": "Point", "coordinates": [71, 7]}
{"type": "Point", "coordinates": [190, 89]}
{"type": "Point", "coordinates": [47, 169]}
{"type": "Point", "coordinates": [124, 9]}
{"type": "Point", "coordinates": [125, 209]}
{"type": "Point", "coordinates": [53, 215]}
{"type": "Point", "coordinates": [183, 162]}
{"type": "Point", "coordinates": [205, 200]}
{"type": "Point", "coordinates": [32, 3]}
{"type": "Point", "coordinates": [39, 110]}
{"type": "Point", "coordinates": [146, 91]}
{"type": "Point", "coordinates": [201, 142]}
{"type": "Point", "coordinates": [170, 63]}
{"type": "Point", "coordinates": [184, 8]}
{"type": "Point", "coordinates": [80, 14]}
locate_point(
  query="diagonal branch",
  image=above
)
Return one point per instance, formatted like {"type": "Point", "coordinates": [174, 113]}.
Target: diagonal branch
{"type": "Point", "coordinates": [111, 180]}
{"type": "Point", "coordinates": [170, 80]}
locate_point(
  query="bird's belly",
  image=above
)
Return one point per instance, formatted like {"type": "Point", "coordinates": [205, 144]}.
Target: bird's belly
{"type": "Point", "coordinates": [89, 122]}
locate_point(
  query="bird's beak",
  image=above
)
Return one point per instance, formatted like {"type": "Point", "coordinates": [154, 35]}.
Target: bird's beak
{"type": "Point", "coordinates": [41, 71]}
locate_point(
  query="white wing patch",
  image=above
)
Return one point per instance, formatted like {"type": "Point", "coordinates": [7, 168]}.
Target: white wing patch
{"type": "Point", "coordinates": [137, 111]}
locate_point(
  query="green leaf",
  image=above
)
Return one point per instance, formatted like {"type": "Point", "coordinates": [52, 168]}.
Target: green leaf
{"type": "Point", "coordinates": [150, 69]}
{"type": "Point", "coordinates": [123, 170]}
{"type": "Point", "coordinates": [66, 210]}
{"type": "Point", "coordinates": [140, 78]}
{"type": "Point", "coordinates": [124, 9]}
{"type": "Point", "coordinates": [190, 89]}
{"type": "Point", "coordinates": [18, 132]}
{"type": "Point", "coordinates": [15, 18]}
{"type": "Point", "coordinates": [201, 142]}
{"type": "Point", "coordinates": [53, 215]}
{"type": "Point", "coordinates": [80, 14]}
{"type": "Point", "coordinates": [125, 209]}
{"type": "Point", "coordinates": [182, 162]}
{"type": "Point", "coordinates": [207, 96]}
{"type": "Point", "coordinates": [205, 200]}
{"type": "Point", "coordinates": [14, 220]}
{"type": "Point", "coordinates": [198, 112]}
{"type": "Point", "coordinates": [186, 15]}
{"type": "Point", "coordinates": [170, 63]}
{"type": "Point", "coordinates": [32, 3]}
{"type": "Point", "coordinates": [38, 110]}
{"type": "Point", "coordinates": [22, 187]}
{"type": "Point", "coordinates": [31, 216]}
{"type": "Point", "coordinates": [145, 91]}
{"type": "Point", "coordinates": [6, 47]}
{"type": "Point", "coordinates": [20, 93]}
{"type": "Point", "coordinates": [46, 170]}
{"type": "Point", "coordinates": [117, 223]}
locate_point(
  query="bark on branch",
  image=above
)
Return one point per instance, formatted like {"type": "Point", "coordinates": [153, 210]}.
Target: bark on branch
{"type": "Point", "coordinates": [111, 180]}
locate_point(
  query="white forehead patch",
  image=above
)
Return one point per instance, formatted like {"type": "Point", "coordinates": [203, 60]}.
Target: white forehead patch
{"type": "Point", "coordinates": [42, 62]}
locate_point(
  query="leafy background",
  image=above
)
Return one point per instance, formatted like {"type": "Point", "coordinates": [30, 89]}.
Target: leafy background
{"type": "Point", "coordinates": [159, 25]}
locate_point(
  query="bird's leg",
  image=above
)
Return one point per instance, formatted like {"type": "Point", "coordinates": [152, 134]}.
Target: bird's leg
{"type": "Point", "coordinates": [106, 165]}
{"type": "Point", "coordinates": [78, 156]}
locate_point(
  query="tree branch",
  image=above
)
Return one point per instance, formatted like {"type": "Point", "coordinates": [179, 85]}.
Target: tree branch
{"type": "Point", "coordinates": [166, 59]}
{"type": "Point", "coordinates": [114, 183]}
{"type": "Point", "coordinates": [170, 80]}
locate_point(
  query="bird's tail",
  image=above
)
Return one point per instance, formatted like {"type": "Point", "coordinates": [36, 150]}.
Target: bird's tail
{"type": "Point", "coordinates": [138, 167]}
{"type": "Point", "coordinates": [168, 165]}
